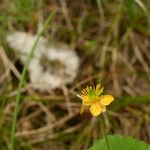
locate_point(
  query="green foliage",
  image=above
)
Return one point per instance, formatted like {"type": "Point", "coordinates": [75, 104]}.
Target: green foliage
{"type": "Point", "coordinates": [24, 5]}
{"type": "Point", "coordinates": [89, 46]}
{"type": "Point", "coordinates": [133, 11]}
{"type": "Point", "coordinates": [118, 142]}
{"type": "Point", "coordinates": [137, 14]}
{"type": "Point", "coordinates": [126, 101]}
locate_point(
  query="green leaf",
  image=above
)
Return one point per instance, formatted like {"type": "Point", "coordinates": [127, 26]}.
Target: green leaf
{"type": "Point", "coordinates": [119, 142]}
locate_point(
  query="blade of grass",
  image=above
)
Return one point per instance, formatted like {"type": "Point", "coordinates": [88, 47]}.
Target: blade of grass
{"type": "Point", "coordinates": [140, 3]}
{"type": "Point", "coordinates": [12, 144]}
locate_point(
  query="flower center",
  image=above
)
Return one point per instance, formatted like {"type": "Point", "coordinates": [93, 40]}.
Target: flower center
{"type": "Point", "coordinates": [92, 95]}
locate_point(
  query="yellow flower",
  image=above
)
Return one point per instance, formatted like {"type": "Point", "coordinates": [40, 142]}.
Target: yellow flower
{"type": "Point", "coordinates": [93, 97]}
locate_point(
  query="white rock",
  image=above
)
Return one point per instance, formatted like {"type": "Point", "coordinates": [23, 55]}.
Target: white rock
{"type": "Point", "coordinates": [53, 75]}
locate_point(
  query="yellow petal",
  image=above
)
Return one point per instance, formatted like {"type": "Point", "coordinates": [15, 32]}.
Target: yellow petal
{"type": "Point", "coordinates": [99, 90]}
{"type": "Point", "coordinates": [106, 100]}
{"type": "Point", "coordinates": [82, 109]}
{"type": "Point", "coordinates": [86, 100]}
{"type": "Point", "coordinates": [84, 92]}
{"type": "Point", "coordinates": [96, 109]}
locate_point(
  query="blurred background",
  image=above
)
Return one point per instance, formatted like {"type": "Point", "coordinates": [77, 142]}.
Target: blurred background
{"type": "Point", "coordinates": [87, 42]}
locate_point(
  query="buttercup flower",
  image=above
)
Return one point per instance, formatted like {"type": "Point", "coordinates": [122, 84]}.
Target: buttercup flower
{"type": "Point", "coordinates": [93, 97]}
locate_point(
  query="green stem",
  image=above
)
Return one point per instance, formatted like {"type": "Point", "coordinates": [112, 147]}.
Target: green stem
{"type": "Point", "coordinates": [17, 100]}
{"type": "Point", "coordinates": [104, 132]}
